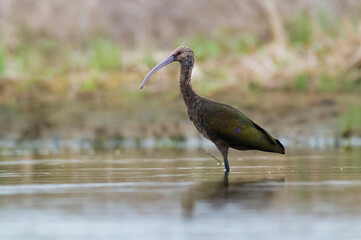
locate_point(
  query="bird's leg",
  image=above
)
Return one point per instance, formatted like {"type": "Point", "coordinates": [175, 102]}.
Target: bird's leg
{"type": "Point", "coordinates": [224, 151]}
{"type": "Point", "coordinates": [226, 165]}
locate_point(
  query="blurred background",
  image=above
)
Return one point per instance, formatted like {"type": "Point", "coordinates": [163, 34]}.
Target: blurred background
{"type": "Point", "coordinates": [70, 71]}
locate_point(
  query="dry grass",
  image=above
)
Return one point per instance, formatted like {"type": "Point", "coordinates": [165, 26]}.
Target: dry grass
{"type": "Point", "coordinates": [140, 23]}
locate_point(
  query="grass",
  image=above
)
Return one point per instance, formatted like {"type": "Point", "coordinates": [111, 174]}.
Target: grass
{"type": "Point", "coordinates": [148, 59]}
{"type": "Point", "coordinates": [46, 58]}
{"type": "Point", "coordinates": [89, 85]}
{"type": "Point", "coordinates": [235, 42]}
{"type": "Point", "coordinates": [203, 47]}
{"type": "Point", "coordinates": [328, 25]}
{"type": "Point", "coordinates": [301, 82]}
{"type": "Point", "coordinates": [328, 83]}
{"type": "Point", "coordinates": [350, 121]}
{"type": "Point", "coordinates": [225, 41]}
{"type": "Point", "coordinates": [106, 55]}
{"type": "Point", "coordinates": [227, 55]}
{"type": "Point", "coordinates": [2, 60]}
{"type": "Point", "coordinates": [300, 30]}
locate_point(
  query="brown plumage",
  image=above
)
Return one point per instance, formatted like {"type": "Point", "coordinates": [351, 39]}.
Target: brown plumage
{"type": "Point", "coordinates": [224, 125]}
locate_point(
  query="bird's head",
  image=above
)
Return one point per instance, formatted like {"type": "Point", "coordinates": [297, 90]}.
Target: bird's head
{"type": "Point", "coordinates": [181, 54]}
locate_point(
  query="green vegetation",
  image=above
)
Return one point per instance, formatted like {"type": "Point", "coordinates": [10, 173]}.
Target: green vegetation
{"type": "Point", "coordinates": [328, 83]}
{"type": "Point", "coordinates": [350, 122]}
{"type": "Point", "coordinates": [301, 82]}
{"type": "Point", "coordinates": [328, 24]}
{"type": "Point", "coordinates": [223, 42]}
{"type": "Point", "coordinates": [204, 48]}
{"type": "Point", "coordinates": [106, 55]}
{"type": "Point", "coordinates": [245, 43]}
{"type": "Point", "coordinates": [89, 85]}
{"type": "Point", "coordinates": [148, 59]}
{"type": "Point", "coordinates": [235, 42]}
{"type": "Point", "coordinates": [224, 57]}
{"type": "Point", "coordinates": [2, 60]}
{"type": "Point", "coordinates": [300, 30]}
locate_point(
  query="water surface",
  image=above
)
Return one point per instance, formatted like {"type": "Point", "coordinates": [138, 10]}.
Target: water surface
{"type": "Point", "coordinates": [182, 195]}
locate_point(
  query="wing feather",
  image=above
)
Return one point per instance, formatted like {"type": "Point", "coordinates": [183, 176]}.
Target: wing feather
{"type": "Point", "coordinates": [223, 122]}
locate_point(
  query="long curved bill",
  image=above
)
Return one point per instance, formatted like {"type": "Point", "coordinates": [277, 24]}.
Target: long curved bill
{"type": "Point", "coordinates": [163, 63]}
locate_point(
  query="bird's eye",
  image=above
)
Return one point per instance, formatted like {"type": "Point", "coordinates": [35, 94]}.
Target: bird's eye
{"type": "Point", "coordinates": [176, 53]}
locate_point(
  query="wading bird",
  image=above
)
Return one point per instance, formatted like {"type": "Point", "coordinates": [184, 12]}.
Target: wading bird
{"type": "Point", "coordinates": [224, 125]}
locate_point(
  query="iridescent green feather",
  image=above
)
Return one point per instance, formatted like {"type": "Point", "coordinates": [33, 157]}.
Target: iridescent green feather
{"type": "Point", "coordinates": [227, 124]}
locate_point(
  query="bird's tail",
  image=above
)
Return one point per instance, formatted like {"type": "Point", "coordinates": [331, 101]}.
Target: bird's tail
{"type": "Point", "coordinates": [279, 148]}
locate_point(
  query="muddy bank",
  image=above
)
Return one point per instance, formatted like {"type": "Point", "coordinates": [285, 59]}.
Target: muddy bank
{"type": "Point", "coordinates": [127, 114]}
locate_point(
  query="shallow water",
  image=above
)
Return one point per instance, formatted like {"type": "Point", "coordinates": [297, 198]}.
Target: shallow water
{"type": "Point", "coordinates": [182, 195]}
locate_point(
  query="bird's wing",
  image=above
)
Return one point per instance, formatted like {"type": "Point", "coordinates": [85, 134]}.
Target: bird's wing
{"type": "Point", "coordinates": [226, 123]}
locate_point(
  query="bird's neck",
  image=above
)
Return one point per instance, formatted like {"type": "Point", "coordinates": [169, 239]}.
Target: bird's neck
{"type": "Point", "coordinates": [189, 96]}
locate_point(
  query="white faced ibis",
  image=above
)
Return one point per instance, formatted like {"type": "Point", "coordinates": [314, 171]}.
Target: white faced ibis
{"type": "Point", "coordinates": [224, 125]}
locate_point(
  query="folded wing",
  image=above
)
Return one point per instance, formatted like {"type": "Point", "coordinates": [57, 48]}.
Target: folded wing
{"type": "Point", "coordinates": [225, 123]}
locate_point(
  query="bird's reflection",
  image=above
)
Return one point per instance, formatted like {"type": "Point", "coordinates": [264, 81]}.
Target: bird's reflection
{"type": "Point", "coordinates": [232, 189]}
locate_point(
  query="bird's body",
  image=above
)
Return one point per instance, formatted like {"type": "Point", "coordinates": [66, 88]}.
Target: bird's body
{"type": "Point", "coordinates": [222, 124]}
